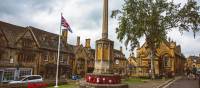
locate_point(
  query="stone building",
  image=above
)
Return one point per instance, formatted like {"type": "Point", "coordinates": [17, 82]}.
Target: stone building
{"type": "Point", "coordinates": [84, 58]}
{"type": "Point", "coordinates": [193, 61]}
{"type": "Point", "coordinates": [169, 60]}
{"type": "Point", "coordinates": [120, 62]}
{"type": "Point", "coordinates": [29, 50]}
{"type": "Point", "coordinates": [132, 65]}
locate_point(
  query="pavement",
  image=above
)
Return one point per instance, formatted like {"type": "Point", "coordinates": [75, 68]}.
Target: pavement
{"type": "Point", "coordinates": [184, 83]}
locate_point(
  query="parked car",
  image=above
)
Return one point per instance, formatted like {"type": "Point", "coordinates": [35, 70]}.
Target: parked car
{"type": "Point", "coordinates": [28, 79]}
{"type": "Point", "coordinates": [75, 77]}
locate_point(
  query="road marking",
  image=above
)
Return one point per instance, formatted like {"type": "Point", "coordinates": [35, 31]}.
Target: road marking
{"type": "Point", "coordinates": [171, 82]}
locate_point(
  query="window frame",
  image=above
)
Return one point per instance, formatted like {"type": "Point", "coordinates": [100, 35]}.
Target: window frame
{"type": "Point", "coordinates": [166, 61]}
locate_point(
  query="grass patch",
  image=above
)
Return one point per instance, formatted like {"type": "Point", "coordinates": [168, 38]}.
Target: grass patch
{"type": "Point", "coordinates": [70, 85]}
{"type": "Point", "coordinates": [134, 80]}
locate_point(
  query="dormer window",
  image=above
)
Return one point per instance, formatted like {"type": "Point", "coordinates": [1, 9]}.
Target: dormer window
{"type": "Point", "coordinates": [27, 43]}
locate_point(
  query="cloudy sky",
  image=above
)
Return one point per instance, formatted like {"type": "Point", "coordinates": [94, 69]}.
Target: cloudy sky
{"type": "Point", "coordinates": [84, 17]}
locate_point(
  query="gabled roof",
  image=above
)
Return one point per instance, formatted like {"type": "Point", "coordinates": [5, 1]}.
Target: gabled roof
{"type": "Point", "coordinates": [45, 40]}
{"type": "Point", "coordinates": [118, 54]}
{"type": "Point", "coordinates": [81, 52]}
{"type": "Point", "coordinates": [177, 48]}
{"type": "Point", "coordinates": [49, 40]}
{"type": "Point", "coordinates": [90, 52]}
{"type": "Point", "coordinates": [12, 32]}
{"type": "Point", "coordinates": [193, 57]}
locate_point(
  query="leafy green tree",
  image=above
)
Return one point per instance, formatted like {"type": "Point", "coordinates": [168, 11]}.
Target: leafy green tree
{"type": "Point", "coordinates": [152, 20]}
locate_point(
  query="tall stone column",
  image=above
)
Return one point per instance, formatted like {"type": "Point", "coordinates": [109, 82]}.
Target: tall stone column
{"type": "Point", "coordinates": [105, 20]}
{"type": "Point", "coordinates": [104, 47]}
{"type": "Point", "coordinates": [103, 73]}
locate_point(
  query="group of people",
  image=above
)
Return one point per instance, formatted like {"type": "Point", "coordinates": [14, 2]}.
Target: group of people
{"type": "Point", "coordinates": [191, 73]}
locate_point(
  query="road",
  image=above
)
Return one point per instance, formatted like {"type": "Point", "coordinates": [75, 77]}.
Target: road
{"type": "Point", "coordinates": [185, 83]}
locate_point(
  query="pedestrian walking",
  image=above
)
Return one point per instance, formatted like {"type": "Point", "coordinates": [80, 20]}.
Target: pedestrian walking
{"type": "Point", "coordinates": [188, 72]}
{"type": "Point", "coordinates": [194, 72]}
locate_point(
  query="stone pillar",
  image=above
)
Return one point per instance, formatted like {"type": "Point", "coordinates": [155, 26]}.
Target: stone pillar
{"type": "Point", "coordinates": [105, 20]}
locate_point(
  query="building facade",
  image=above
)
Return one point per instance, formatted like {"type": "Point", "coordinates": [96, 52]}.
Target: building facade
{"type": "Point", "coordinates": [169, 60]}
{"type": "Point", "coordinates": [193, 61]}
{"type": "Point", "coordinates": [120, 63]}
{"type": "Point", "coordinates": [29, 50]}
{"type": "Point", "coordinates": [132, 65]}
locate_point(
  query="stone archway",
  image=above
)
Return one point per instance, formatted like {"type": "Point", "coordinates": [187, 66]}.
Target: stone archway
{"type": "Point", "coordinates": [165, 65]}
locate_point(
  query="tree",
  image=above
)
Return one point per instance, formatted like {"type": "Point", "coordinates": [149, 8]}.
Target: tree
{"type": "Point", "coordinates": [152, 20]}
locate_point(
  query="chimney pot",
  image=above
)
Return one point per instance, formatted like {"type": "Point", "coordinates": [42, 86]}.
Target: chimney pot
{"type": "Point", "coordinates": [87, 43]}
{"type": "Point", "coordinates": [78, 41]}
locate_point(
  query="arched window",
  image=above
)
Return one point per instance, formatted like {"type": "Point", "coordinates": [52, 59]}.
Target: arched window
{"type": "Point", "coordinates": [166, 61]}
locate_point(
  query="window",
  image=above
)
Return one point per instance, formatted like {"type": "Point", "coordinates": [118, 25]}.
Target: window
{"type": "Point", "coordinates": [27, 43]}
{"type": "Point", "coordinates": [9, 74]}
{"type": "Point", "coordinates": [45, 57]}
{"type": "Point", "coordinates": [166, 61]}
{"type": "Point", "coordinates": [25, 72]}
{"type": "Point", "coordinates": [11, 60]}
{"type": "Point", "coordinates": [61, 58]}
{"type": "Point", "coordinates": [36, 77]}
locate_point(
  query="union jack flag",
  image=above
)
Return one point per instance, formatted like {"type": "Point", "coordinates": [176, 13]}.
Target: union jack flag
{"type": "Point", "coordinates": [65, 24]}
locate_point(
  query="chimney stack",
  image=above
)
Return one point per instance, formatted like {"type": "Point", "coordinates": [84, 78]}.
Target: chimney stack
{"type": "Point", "coordinates": [64, 36]}
{"type": "Point", "coordinates": [121, 49]}
{"type": "Point", "coordinates": [78, 41]}
{"type": "Point", "coordinates": [87, 43]}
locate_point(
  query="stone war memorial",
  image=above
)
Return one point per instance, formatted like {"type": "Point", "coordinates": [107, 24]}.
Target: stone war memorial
{"type": "Point", "coordinates": [103, 76]}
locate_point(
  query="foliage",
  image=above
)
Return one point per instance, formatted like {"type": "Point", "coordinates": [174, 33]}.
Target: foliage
{"type": "Point", "coordinates": [153, 19]}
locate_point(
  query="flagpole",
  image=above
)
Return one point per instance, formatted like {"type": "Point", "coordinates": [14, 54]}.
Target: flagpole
{"type": "Point", "coordinates": [58, 58]}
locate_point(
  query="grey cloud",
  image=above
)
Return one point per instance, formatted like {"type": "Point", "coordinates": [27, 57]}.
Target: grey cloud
{"type": "Point", "coordinates": [20, 12]}
{"type": "Point", "coordinates": [94, 18]}
{"type": "Point", "coordinates": [20, 7]}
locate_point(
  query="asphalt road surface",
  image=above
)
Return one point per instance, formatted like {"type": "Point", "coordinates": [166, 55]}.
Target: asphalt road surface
{"type": "Point", "coordinates": [185, 83]}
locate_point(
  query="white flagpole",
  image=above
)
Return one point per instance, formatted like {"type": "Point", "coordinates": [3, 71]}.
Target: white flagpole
{"type": "Point", "coordinates": [58, 56]}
